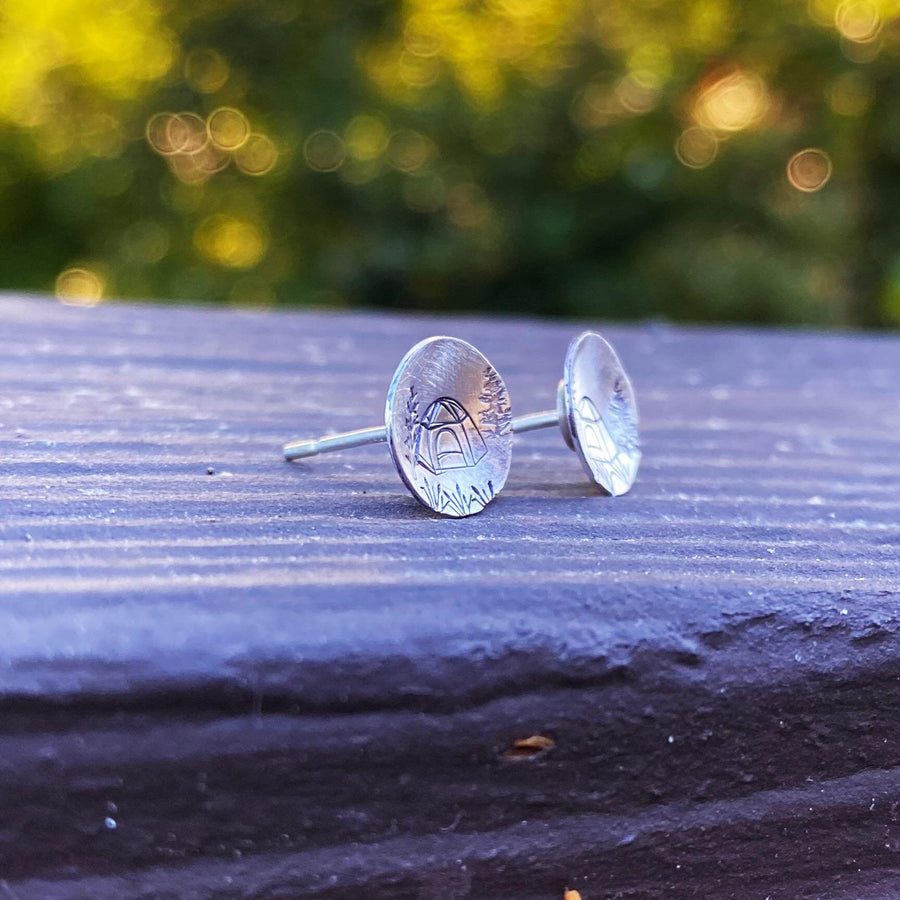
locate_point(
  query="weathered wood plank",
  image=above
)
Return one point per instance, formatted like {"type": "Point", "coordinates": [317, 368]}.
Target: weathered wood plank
{"type": "Point", "coordinates": [292, 680]}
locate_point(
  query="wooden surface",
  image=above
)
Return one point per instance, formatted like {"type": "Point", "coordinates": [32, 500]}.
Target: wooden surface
{"type": "Point", "coordinates": [288, 680]}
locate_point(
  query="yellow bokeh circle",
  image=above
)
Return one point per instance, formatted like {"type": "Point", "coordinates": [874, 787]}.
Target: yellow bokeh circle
{"type": "Point", "coordinates": [228, 128]}
{"type": "Point", "coordinates": [809, 170]}
{"type": "Point", "coordinates": [78, 286]}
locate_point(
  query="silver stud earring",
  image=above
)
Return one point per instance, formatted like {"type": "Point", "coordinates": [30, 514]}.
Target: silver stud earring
{"type": "Point", "coordinates": [447, 424]}
{"type": "Point", "coordinates": [597, 414]}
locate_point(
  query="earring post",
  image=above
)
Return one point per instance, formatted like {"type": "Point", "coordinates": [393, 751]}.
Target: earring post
{"type": "Point", "coordinates": [534, 421]}
{"type": "Point", "coordinates": [332, 442]}
{"type": "Point", "coordinates": [378, 435]}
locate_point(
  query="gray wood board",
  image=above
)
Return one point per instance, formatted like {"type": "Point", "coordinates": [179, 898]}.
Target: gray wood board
{"type": "Point", "coordinates": [300, 666]}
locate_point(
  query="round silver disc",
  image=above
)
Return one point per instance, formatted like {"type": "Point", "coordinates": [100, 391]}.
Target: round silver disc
{"type": "Point", "coordinates": [449, 426]}
{"type": "Point", "coordinates": [601, 413]}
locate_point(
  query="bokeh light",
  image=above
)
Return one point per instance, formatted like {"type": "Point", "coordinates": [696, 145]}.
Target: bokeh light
{"type": "Point", "coordinates": [696, 148]}
{"type": "Point", "coordinates": [422, 35]}
{"type": "Point", "coordinates": [197, 167]}
{"type": "Point", "coordinates": [636, 97]}
{"type": "Point", "coordinates": [257, 155]}
{"type": "Point", "coordinates": [159, 136]}
{"type": "Point", "coordinates": [206, 70]}
{"type": "Point", "coordinates": [809, 170]}
{"type": "Point", "coordinates": [231, 241]}
{"type": "Point", "coordinates": [731, 102]}
{"type": "Point", "coordinates": [522, 155]}
{"type": "Point", "coordinates": [858, 20]}
{"type": "Point", "coordinates": [187, 132]}
{"type": "Point", "coordinates": [196, 148]}
{"type": "Point", "coordinates": [409, 150]}
{"type": "Point", "coordinates": [366, 137]}
{"type": "Point", "coordinates": [228, 128]}
{"type": "Point", "coordinates": [594, 106]}
{"type": "Point", "coordinates": [79, 286]}
{"type": "Point", "coordinates": [324, 151]}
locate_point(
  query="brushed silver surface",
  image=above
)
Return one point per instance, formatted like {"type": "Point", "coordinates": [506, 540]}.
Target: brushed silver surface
{"type": "Point", "coordinates": [601, 413]}
{"type": "Point", "coordinates": [449, 426]}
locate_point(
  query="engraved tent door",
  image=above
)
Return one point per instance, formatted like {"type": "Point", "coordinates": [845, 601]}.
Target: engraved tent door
{"type": "Point", "coordinates": [449, 452]}
{"type": "Point", "coordinates": [597, 439]}
{"type": "Point", "coordinates": [448, 438]}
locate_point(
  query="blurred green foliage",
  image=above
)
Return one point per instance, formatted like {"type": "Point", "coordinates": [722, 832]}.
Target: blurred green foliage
{"type": "Point", "coordinates": [615, 158]}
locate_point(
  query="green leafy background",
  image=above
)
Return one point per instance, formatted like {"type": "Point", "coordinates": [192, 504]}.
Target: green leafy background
{"type": "Point", "coordinates": [612, 158]}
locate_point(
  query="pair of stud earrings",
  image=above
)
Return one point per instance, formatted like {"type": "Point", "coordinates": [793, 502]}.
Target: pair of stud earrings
{"type": "Point", "coordinates": [449, 425]}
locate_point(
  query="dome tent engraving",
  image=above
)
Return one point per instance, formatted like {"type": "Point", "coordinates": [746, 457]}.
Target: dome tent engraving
{"type": "Point", "coordinates": [449, 454]}
{"type": "Point", "coordinates": [448, 438]}
{"type": "Point", "coordinates": [597, 439]}
{"type": "Point", "coordinates": [609, 441]}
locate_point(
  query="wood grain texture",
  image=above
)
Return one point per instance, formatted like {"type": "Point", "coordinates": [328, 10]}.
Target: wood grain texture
{"type": "Point", "coordinates": [292, 680]}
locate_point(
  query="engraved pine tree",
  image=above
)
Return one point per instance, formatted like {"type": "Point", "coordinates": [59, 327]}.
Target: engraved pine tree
{"type": "Point", "coordinates": [410, 420]}
{"type": "Point", "coordinates": [495, 415]}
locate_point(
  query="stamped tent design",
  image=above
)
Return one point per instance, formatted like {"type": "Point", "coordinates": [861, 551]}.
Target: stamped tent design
{"type": "Point", "coordinates": [610, 440]}
{"type": "Point", "coordinates": [448, 438]}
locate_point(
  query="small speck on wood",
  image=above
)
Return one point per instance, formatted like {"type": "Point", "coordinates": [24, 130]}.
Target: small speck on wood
{"type": "Point", "coordinates": [528, 748]}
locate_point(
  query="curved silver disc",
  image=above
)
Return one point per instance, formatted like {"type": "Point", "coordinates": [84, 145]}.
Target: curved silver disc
{"type": "Point", "coordinates": [601, 413]}
{"type": "Point", "coordinates": [449, 426]}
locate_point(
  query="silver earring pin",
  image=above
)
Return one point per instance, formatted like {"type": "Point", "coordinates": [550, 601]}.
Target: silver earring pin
{"type": "Point", "coordinates": [447, 424]}
{"type": "Point", "coordinates": [596, 413]}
